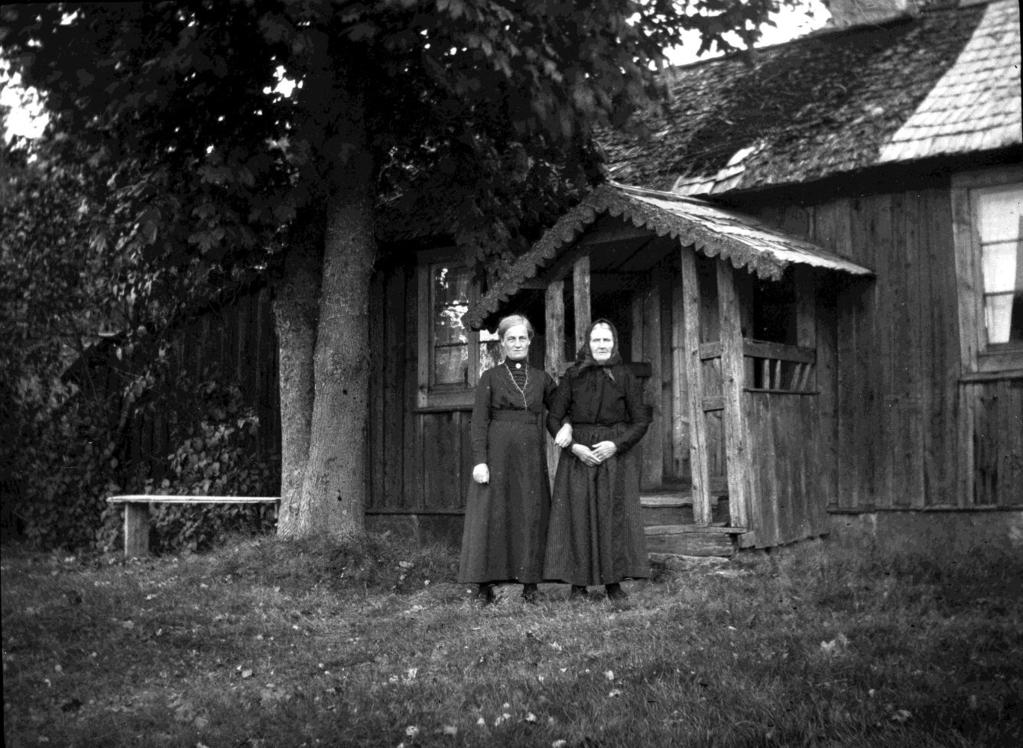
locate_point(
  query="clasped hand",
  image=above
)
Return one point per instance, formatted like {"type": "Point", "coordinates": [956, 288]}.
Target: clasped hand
{"type": "Point", "coordinates": [564, 436]}
{"type": "Point", "coordinates": [596, 454]}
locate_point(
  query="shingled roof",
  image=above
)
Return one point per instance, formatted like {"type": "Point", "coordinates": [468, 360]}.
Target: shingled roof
{"type": "Point", "coordinates": [943, 82]}
{"type": "Point", "coordinates": [712, 230]}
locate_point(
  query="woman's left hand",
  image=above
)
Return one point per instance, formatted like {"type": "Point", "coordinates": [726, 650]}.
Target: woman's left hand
{"type": "Point", "coordinates": [604, 450]}
{"type": "Point", "coordinates": [564, 436]}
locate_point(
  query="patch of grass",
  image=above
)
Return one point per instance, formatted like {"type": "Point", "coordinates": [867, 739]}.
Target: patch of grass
{"type": "Point", "coordinates": [266, 643]}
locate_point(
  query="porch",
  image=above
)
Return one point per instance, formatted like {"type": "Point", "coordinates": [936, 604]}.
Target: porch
{"type": "Point", "coordinates": [731, 325]}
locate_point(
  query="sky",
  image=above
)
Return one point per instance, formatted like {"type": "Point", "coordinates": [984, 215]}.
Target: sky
{"type": "Point", "coordinates": [789, 24]}
{"type": "Point", "coordinates": [24, 118]}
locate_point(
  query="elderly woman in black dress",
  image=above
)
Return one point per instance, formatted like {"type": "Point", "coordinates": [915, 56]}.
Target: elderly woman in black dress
{"type": "Point", "coordinates": [595, 532]}
{"type": "Point", "coordinates": [509, 500]}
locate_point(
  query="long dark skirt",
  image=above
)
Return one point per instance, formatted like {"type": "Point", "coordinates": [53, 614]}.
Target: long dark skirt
{"type": "Point", "coordinates": [596, 532]}
{"type": "Point", "coordinates": [506, 519]}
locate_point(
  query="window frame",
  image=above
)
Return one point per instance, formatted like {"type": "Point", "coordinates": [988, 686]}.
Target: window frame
{"type": "Point", "coordinates": [979, 359]}
{"type": "Point", "coordinates": [430, 395]}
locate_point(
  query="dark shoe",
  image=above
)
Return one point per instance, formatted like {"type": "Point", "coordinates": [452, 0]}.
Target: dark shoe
{"type": "Point", "coordinates": [484, 595]}
{"type": "Point", "coordinates": [615, 593]}
{"type": "Point", "coordinates": [529, 593]}
{"type": "Point", "coordinates": [578, 592]}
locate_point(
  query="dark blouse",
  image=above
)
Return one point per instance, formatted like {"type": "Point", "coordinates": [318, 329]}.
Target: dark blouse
{"type": "Point", "coordinates": [593, 397]}
{"type": "Point", "coordinates": [497, 391]}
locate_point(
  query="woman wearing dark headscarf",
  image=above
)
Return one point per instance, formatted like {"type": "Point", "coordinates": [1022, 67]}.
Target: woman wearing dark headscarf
{"type": "Point", "coordinates": [509, 500]}
{"type": "Point", "coordinates": [595, 534]}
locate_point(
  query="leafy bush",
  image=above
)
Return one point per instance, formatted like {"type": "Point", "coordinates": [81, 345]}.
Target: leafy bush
{"type": "Point", "coordinates": [69, 452]}
{"type": "Point", "coordinates": [218, 459]}
{"type": "Point", "coordinates": [63, 467]}
{"type": "Point", "coordinates": [217, 455]}
{"type": "Point", "coordinates": [87, 319]}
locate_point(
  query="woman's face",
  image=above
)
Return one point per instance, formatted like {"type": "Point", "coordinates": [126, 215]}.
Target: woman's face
{"type": "Point", "coordinates": [515, 343]}
{"type": "Point", "coordinates": [602, 343]}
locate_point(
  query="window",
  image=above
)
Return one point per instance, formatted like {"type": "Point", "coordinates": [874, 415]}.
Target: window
{"type": "Point", "coordinates": [1001, 257]}
{"type": "Point", "coordinates": [451, 356]}
{"type": "Point", "coordinates": [987, 219]}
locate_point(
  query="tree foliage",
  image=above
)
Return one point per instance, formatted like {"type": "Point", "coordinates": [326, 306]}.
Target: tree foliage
{"type": "Point", "coordinates": [471, 103]}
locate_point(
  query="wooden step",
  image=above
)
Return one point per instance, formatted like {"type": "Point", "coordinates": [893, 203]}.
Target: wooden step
{"type": "Point", "coordinates": [666, 515]}
{"type": "Point", "coordinates": [666, 507]}
{"type": "Point", "coordinates": [676, 508]}
{"type": "Point", "coordinates": [692, 540]}
{"type": "Point", "coordinates": [665, 498]}
{"type": "Point", "coordinates": [653, 516]}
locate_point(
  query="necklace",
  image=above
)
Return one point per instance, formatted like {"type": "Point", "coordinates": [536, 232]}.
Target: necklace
{"type": "Point", "coordinates": [525, 384]}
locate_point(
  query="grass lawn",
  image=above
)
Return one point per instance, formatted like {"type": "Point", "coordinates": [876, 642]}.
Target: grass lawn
{"type": "Point", "coordinates": [270, 644]}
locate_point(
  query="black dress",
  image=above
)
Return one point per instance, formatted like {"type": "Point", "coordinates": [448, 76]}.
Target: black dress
{"type": "Point", "coordinates": [596, 531]}
{"type": "Point", "coordinates": [506, 519]}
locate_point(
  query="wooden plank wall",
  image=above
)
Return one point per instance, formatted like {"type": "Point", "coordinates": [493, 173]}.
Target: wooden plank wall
{"type": "Point", "coordinates": [236, 343]}
{"type": "Point", "coordinates": [420, 458]}
{"type": "Point", "coordinates": [788, 471]}
{"type": "Point", "coordinates": [419, 461]}
{"type": "Point", "coordinates": [826, 375]}
{"type": "Point", "coordinates": [994, 413]}
{"type": "Point", "coordinates": [647, 346]}
{"type": "Point", "coordinates": [389, 394]}
{"type": "Point", "coordinates": [910, 435]}
{"type": "Point", "coordinates": [657, 338]}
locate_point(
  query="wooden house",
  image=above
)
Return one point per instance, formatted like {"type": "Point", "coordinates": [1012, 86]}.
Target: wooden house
{"type": "Point", "coordinates": [815, 258]}
{"type": "Point", "coordinates": [895, 145]}
{"type": "Point", "coordinates": [815, 261]}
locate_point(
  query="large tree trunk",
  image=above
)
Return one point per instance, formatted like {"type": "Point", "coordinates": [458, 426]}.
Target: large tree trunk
{"type": "Point", "coordinates": [335, 483]}
{"type": "Point", "coordinates": [334, 490]}
{"type": "Point", "coordinates": [325, 379]}
{"type": "Point", "coordinates": [296, 306]}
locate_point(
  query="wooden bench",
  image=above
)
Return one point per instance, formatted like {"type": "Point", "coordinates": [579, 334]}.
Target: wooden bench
{"type": "Point", "coordinates": [136, 514]}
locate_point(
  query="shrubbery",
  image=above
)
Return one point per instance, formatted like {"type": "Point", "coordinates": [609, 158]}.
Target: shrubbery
{"type": "Point", "coordinates": [62, 466]}
{"type": "Point", "coordinates": [217, 456]}
{"type": "Point", "coordinates": [71, 452]}
{"type": "Point", "coordinates": [88, 318]}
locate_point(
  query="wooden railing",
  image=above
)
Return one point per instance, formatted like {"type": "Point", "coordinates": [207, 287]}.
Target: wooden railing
{"type": "Point", "coordinates": [780, 368]}
{"type": "Point", "coordinates": [769, 367]}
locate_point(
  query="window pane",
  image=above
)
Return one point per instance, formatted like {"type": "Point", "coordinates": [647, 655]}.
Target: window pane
{"type": "Point", "coordinates": [451, 364]}
{"type": "Point", "coordinates": [450, 300]}
{"type": "Point", "coordinates": [447, 326]}
{"type": "Point", "coordinates": [1000, 220]}
{"type": "Point", "coordinates": [1000, 266]}
{"type": "Point", "coordinates": [999, 211]}
{"type": "Point", "coordinates": [1003, 314]}
{"type": "Point", "coordinates": [450, 285]}
{"type": "Point", "coordinates": [490, 350]}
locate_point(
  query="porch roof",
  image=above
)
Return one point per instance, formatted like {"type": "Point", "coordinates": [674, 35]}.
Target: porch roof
{"type": "Point", "coordinates": [711, 230]}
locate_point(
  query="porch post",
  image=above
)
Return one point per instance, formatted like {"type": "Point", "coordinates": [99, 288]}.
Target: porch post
{"type": "Point", "coordinates": [737, 454]}
{"type": "Point", "coordinates": [555, 328]}
{"type": "Point", "coordinates": [581, 298]}
{"type": "Point", "coordinates": [804, 375]}
{"type": "Point", "coordinates": [694, 376]}
{"type": "Point", "coordinates": [554, 318]}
